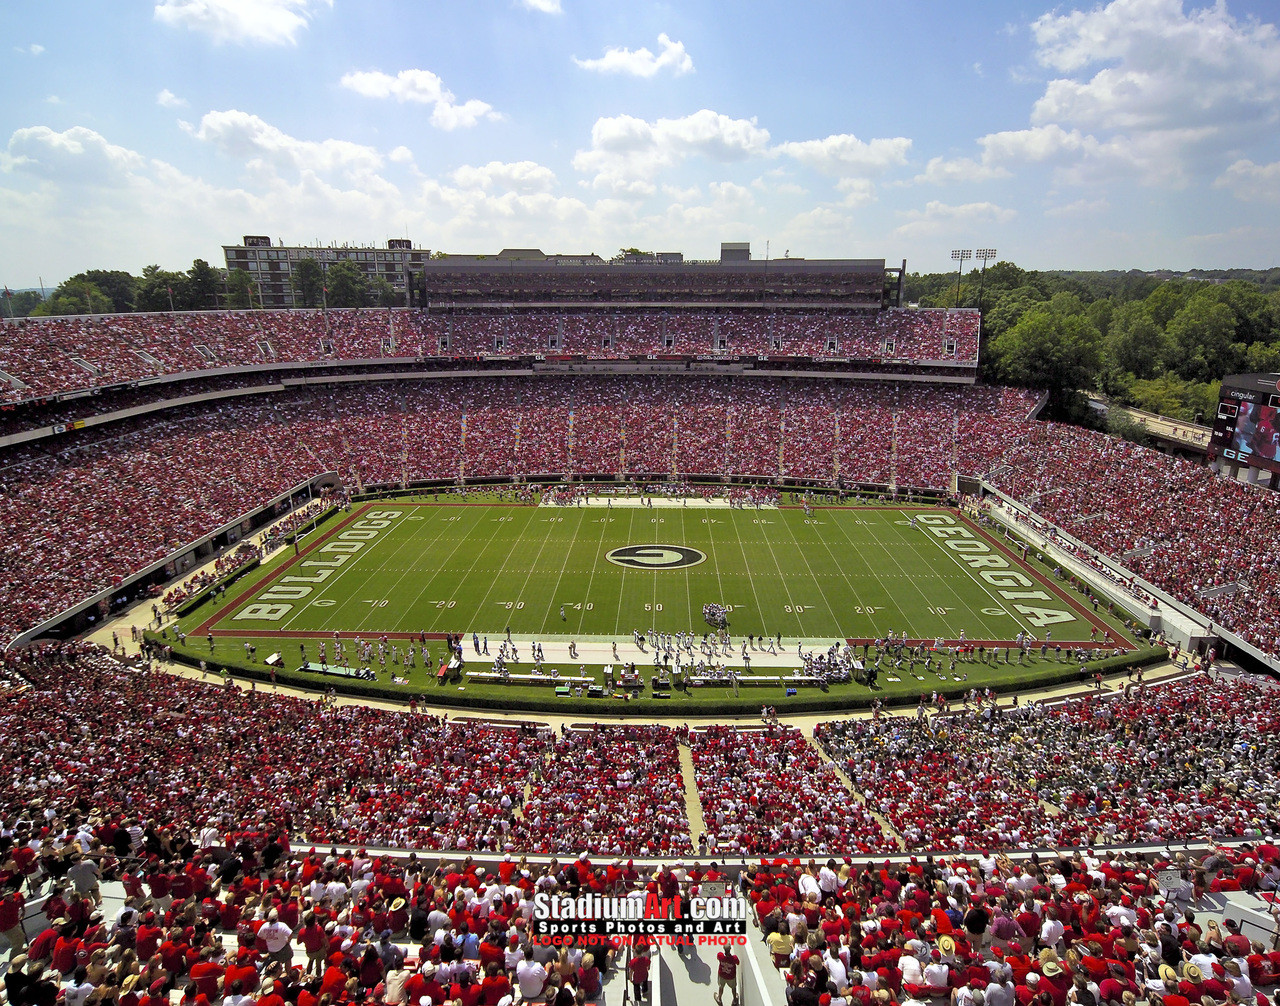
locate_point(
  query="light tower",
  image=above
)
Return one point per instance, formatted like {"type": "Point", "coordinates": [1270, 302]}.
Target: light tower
{"type": "Point", "coordinates": [983, 255]}
{"type": "Point", "coordinates": [960, 255]}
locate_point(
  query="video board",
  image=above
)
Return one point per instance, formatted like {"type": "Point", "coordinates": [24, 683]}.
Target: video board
{"type": "Point", "coordinates": [1247, 427]}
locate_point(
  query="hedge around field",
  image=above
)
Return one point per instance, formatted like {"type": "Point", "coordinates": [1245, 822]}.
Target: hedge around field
{"type": "Point", "coordinates": [517, 702]}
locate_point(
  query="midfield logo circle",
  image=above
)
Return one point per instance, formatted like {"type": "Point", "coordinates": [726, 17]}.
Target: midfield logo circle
{"type": "Point", "coordinates": [656, 556]}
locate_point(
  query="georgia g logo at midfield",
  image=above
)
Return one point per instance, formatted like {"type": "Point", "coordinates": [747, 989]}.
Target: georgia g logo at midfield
{"type": "Point", "coordinates": [656, 556]}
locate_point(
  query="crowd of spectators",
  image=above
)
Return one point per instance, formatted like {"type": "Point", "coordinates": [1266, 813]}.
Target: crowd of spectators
{"type": "Point", "coordinates": [192, 796]}
{"type": "Point", "coordinates": [1209, 542]}
{"type": "Point", "coordinates": [140, 488]}
{"type": "Point", "coordinates": [612, 790]}
{"type": "Point", "coordinates": [224, 565]}
{"type": "Point", "coordinates": [102, 502]}
{"type": "Point", "coordinates": [1178, 762]}
{"type": "Point", "coordinates": [1070, 927]}
{"type": "Point", "coordinates": [52, 356]}
{"type": "Point", "coordinates": [766, 791]}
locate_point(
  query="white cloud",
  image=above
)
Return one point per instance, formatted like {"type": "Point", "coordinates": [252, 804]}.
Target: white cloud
{"type": "Point", "coordinates": [856, 191]}
{"type": "Point", "coordinates": [628, 153]}
{"type": "Point", "coordinates": [34, 49]}
{"type": "Point", "coordinates": [244, 136]}
{"type": "Point", "coordinates": [76, 154]}
{"type": "Point", "coordinates": [264, 22]}
{"type": "Point", "coordinates": [401, 155]}
{"type": "Point", "coordinates": [521, 176]}
{"type": "Point", "coordinates": [1143, 91]}
{"type": "Point", "coordinates": [1251, 182]}
{"type": "Point", "coordinates": [542, 6]}
{"type": "Point", "coordinates": [420, 87]}
{"type": "Point", "coordinates": [1161, 67]}
{"type": "Point", "coordinates": [641, 62]}
{"type": "Point", "coordinates": [53, 99]}
{"type": "Point", "coordinates": [682, 195]}
{"type": "Point", "coordinates": [844, 155]}
{"type": "Point", "coordinates": [939, 218]}
{"type": "Point", "coordinates": [167, 99]}
{"type": "Point", "coordinates": [1000, 150]}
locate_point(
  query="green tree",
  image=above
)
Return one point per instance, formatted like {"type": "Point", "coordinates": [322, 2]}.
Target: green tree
{"type": "Point", "coordinates": [1167, 300]}
{"type": "Point", "coordinates": [308, 283]}
{"type": "Point", "coordinates": [75, 296]}
{"type": "Point", "coordinates": [1263, 358]}
{"type": "Point", "coordinates": [1005, 276]}
{"type": "Point", "coordinates": [201, 288]}
{"type": "Point", "coordinates": [348, 285]}
{"type": "Point", "coordinates": [121, 287]}
{"type": "Point", "coordinates": [1051, 351]}
{"type": "Point", "coordinates": [383, 293]}
{"type": "Point", "coordinates": [1134, 343]}
{"type": "Point", "coordinates": [1066, 304]}
{"type": "Point", "coordinates": [1203, 333]}
{"type": "Point", "coordinates": [1099, 314]}
{"type": "Point", "coordinates": [162, 290]}
{"type": "Point", "coordinates": [1255, 316]}
{"type": "Point", "coordinates": [1009, 308]}
{"type": "Point", "coordinates": [239, 289]}
{"type": "Point", "coordinates": [1169, 395]}
{"type": "Point", "coordinates": [1120, 424]}
{"type": "Point", "coordinates": [22, 303]}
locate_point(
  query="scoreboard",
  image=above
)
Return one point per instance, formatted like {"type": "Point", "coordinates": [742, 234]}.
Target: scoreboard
{"type": "Point", "coordinates": [1246, 429]}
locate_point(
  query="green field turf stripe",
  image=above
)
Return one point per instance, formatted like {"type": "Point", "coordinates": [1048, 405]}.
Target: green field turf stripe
{"type": "Point", "coordinates": [965, 608]}
{"type": "Point", "coordinates": [714, 557]}
{"type": "Point", "coordinates": [751, 570]}
{"type": "Point", "coordinates": [854, 588]}
{"type": "Point", "coordinates": [685, 574]}
{"type": "Point", "coordinates": [517, 538]}
{"type": "Point", "coordinates": [869, 551]}
{"type": "Point", "coordinates": [552, 527]}
{"type": "Point", "coordinates": [399, 616]}
{"type": "Point", "coordinates": [404, 620]}
{"type": "Point", "coordinates": [968, 604]}
{"type": "Point", "coordinates": [802, 552]}
{"type": "Point", "coordinates": [591, 578]}
{"type": "Point", "coordinates": [349, 612]}
{"type": "Point", "coordinates": [893, 596]}
{"type": "Point", "coordinates": [464, 519]}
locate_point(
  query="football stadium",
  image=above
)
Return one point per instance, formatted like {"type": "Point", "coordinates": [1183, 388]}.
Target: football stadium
{"type": "Point", "coordinates": [383, 624]}
{"type": "Point", "coordinates": [772, 565]}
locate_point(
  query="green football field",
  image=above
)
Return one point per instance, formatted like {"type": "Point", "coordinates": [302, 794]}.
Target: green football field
{"type": "Point", "coordinates": [592, 573]}
{"type": "Point", "coordinates": [595, 574]}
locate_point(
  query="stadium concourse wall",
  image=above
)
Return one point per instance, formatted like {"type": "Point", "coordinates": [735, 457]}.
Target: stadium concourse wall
{"type": "Point", "coordinates": [1180, 622]}
{"type": "Point", "coordinates": [172, 565]}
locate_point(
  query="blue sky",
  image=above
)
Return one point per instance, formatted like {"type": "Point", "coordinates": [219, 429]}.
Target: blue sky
{"type": "Point", "coordinates": [1131, 134]}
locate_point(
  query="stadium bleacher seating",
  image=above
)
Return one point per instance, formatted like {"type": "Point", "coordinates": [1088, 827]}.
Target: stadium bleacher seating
{"type": "Point", "coordinates": [56, 356]}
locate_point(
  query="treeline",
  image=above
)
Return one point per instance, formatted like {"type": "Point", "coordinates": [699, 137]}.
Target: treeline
{"type": "Point", "coordinates": [1156, 343]}
{"type": "Point", "coordinates": [200, 288]}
